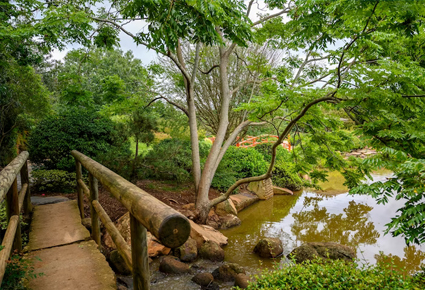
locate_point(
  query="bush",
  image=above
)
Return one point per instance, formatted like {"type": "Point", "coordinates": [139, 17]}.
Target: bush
{"type": "Point", "coordinates": [19, 270]}
{"type": "Point", "coordinates": [170, 159]}
{"type": "Point", "coordinates": [54, 180]}
{"type": "Point", "coordinates": [334, 274]}
{"type": "Point", "coordinates": [238, 163]}
{"type": "Point", "coordinates": [284, 171]}
{"type": "Point", "coordinates": [52, 139]}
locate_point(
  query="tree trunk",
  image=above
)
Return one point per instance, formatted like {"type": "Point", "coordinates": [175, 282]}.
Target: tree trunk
{"type": "Point", "coordinates": [133, 171]}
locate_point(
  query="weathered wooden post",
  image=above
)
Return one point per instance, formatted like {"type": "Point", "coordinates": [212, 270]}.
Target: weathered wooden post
{"type": "Point", "coordinates": [80, 200]}
{"type": "Point", "coordinates": [94, 195]}
{"type": "Point", "coordinates": [139, 255]}
{"type": "Point", "coordinates": [12, 208]}
{"type": "Point", "coordinates": [25, 179]}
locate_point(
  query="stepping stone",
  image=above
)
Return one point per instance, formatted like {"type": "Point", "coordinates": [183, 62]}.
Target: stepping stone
{"type": "Point", "coordinates": [41, 200]}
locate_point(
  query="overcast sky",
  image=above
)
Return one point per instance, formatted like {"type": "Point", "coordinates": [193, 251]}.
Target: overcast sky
{"type": "Point", "coordinates": [142, 52]}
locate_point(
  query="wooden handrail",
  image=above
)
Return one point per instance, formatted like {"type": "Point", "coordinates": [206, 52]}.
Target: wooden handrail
{"type": "Point", "coordinates": [15, 201]}
{"type": "Point", "coordinates": [170, 227]}
{"type": "Point", "coordinates": [146, 212]}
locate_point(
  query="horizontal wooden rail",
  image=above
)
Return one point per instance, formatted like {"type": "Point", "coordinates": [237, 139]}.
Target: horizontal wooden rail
{"type": "Point", "coordinates": [9, 173]}
{"type": "Point", "coordinates": [15, 202]}
{"type": "Point", "coordinates": [170, 227]}
{"type": "Point", "coordinates": [122, 246]}
{"type": "Point", "coordinates": [7, 244]}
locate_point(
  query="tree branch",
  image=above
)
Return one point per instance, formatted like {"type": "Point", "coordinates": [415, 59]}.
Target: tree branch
{"type": "Point", "coordinates": [170, 102]}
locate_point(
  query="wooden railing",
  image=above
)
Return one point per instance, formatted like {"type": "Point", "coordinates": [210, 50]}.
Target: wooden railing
{"type": "Point", "coordinates": [15, 201]}
{"type": "Point", "coordinates": [170, 227]}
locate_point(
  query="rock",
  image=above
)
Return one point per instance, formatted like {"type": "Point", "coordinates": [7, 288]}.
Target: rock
{"type": "Point", "coordinates": [213, 219]}
{"type": "Point", "coordinates": [229, 221]}
{"type": "Point", "coordinates": [269, 248]}
{"type": "Point", "coordinates": [228, 272]}
{"type": "Point", "coordinates": [333, 251]}
{"type": "Point", "coordinates": [203, 279]}
{"type": "Point", "coordinates": [282, 191]}
{"type": "Point", "coordinates": [202, 233]}
{"type": "Point", "coordinates": [243, 200]}
{"type": "Point", "coordinates": [155, 248]}
{"type": "Point", "coordinates": [212, 251]}
{"type": "Point", "coordinates": [241, 280]}
{"type": "Point", "coordinates": [118, 264]}
{"type": "Point", "coordinates": [87, 223]}
{"type": "Point", "coordinates": [263, 189]}
{"type": "Point", "coordinates": [189, 206]}
{"type": "Point", "coordinates": [226, 207]}
{"type": "Point", "coordinates": [171, 265]}
{"type": "Point", "coordinates": [188, 251]}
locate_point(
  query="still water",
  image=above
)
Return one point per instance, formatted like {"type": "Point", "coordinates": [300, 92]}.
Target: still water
{"type": "Point", "coordinates": [331, 215]}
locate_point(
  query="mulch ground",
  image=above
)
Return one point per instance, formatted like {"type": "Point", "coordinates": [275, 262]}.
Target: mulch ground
{"type": "Point", "coordinates": [174, 194]}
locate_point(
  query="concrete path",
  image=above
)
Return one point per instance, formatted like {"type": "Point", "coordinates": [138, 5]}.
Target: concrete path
{"type": "Point", "coordinates": [63, 252]}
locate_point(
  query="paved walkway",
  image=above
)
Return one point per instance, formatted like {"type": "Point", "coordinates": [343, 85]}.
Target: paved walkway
{"type": "Point", "coordinates": [64, 253]}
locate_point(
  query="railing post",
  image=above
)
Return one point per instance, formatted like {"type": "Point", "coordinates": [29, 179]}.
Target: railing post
{"type": "Point", "coordinates": [139, 255]}
{"type": "Point", "coordinates": [79, 175]}
{"type": "Point", "coordinates": [94, 195]}
{"type": "Point", "coordinates": [12, 208]}
{"type": "Point", "coordinates": [27, 200]}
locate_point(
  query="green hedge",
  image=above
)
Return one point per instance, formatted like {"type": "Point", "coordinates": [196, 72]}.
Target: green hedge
{"type": "Point", "coordinates": [335, 274]}
{"type": "Point", "coordinates": [54, 180]}
{"type": "Point", "coordinates": [52, 140]}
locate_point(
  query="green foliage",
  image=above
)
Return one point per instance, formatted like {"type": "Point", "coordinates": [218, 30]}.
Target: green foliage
{"type": "Point", "coordinates": [54, 180]}
{"type": "Point", "coordinates": [238, 163]}
{"type": "Point", "coordinates": [90, 133]}
{"type": "Point", "coordinates": [19, 271]}
{"type": "Point", "coordinates": [170, 159]}
{"type": "Point", "coordinates": [334, 274]}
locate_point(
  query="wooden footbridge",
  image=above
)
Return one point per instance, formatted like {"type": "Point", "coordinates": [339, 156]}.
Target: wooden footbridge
{"type": "Point", "coordinates": [63, 251]}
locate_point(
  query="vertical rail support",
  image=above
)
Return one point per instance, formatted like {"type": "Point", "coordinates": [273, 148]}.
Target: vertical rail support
{"type": "Point", "coordinates": [94, 195]}
{"type": "Point", "coordinates": [79, 175]}
{"type": "Point", "coordinates": [139, 255]}
{"type": "Point", "coordinates": [12, 208]}
{"type": "Point", "coordinates": [27, 200]}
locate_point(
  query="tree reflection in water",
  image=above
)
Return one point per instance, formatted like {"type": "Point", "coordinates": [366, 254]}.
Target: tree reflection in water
{"type": "Point", "coordinates": [349, 228]}
{"type": "Point", "coordinates": [412, 260]}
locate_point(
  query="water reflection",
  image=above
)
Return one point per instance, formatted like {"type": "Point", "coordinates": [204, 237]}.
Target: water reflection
{"type": "Point", "coordinates": [356, 221]}
{"type": "Point", "coordinates": [413, 260]}
{"type": "Point", "coordinates": [349, 228]}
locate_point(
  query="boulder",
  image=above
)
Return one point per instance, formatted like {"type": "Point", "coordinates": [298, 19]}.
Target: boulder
{"type": "Point", "coordinates": [212, 251]}
{"type": "Point", "coordinates": [241, 281]}
{"type": "Point", "coordinates": [282, 191]}
{"type": "Point", "coordinates": [203, 233]}
{"type": "Point", "coordinates": [172, 265]}
{"type": "Point", "coordinates": [263, 189]}
{"type": "Point", "coordinates": [243, 200]}
{"type": "Point", "coordinates": [118, 264]}
{"type": "Point", "coordinates": [229, 221]}
{"type": "Point", "coordinates": [188, 251]}
{"type": "Point", "coordinates": [228, 272]}
{"type": "Point", "coordinates": [203, 279]}
{"type": "Point", "coordinates": [226, 207]}
{"type": "Point", "coordinates": [155, 248]}
{"type": "Point", "coordinates": [333, 251]}
{"type": "Point", "coordinates": [86, 222]}
{"type": "Point", "coordinates": [269, 248]}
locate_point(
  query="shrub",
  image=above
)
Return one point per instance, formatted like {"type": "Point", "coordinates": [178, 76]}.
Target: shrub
{"type": "Point", "coordinates": [54, 180]}
{"type": "Point", "coordinates": [284, 171]}
{"type": "Point", "coordinates": [334, 274]}
{"type": "Point", "coordinates": [53, 138]}
{"type": "Point", "coordinates": [238, 163]}
{"type": "Point", "coordinates": [170, 159]}
{"type": "Point", "coordinates": [19, 270]}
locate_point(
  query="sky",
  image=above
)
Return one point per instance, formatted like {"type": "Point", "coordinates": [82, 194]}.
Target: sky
{"type": "Point", "coordinates": [141, 52]}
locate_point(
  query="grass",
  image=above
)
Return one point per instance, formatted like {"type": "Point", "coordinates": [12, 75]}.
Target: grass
{"type": "Point", "coordinates": [143, 147]}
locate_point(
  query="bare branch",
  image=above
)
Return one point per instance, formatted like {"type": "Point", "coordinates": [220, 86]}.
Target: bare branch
{"type": "Point", "coordinates": [168, 101]}
{"type": "Point", "coordinates": [270, 17]}
{"type": "Point", "coordinates": [255, 81]}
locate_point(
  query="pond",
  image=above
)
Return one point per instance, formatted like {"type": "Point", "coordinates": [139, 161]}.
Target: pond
{"type": "Point", "coordinates": [331, 215]}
